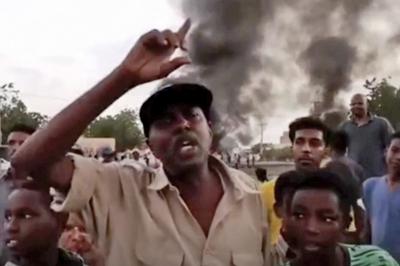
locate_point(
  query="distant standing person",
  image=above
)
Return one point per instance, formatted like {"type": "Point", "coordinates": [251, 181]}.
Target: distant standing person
{"type": "Point", "coordinates": [108, 155]}
{"type": "Point", "coordinates": [238, 159]}
{"type": "Point", "coordinates": [368, 137]}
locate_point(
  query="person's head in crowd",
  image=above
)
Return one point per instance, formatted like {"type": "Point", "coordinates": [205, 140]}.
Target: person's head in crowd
{"type": "Point", "coordinates": [31, 228]}
{"type": "Point", "coordinates": [309, 137]}
{"type": "Point", "coordinates": [76, 239]}
{"type": "Point", "coordinates": [283, 191]}
{"type": "Point", "coordinates": [338, 143]}
{"type": "Point", "coordinates": [177, 126]}
{"type": "Point", "coordinates": [359, 105]}
{"type": "Point", "coordinates": [319, 215]}
{"type": "Point", "coordinates": [18, 134]}
{"type": "Point", "coordinates": [393, 156]}
{"type": "Point", "coordinates": [261, 174]}
{"type": "Point", "coordinates": [108, 155]}
{"type": "Point", "coordinates": [343, 171]}
{"type": "Point", "coordinates": [136, 155]}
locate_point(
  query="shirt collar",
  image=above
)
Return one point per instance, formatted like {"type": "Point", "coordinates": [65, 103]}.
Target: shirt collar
{"type": "Point", "coordinates": [241, 183]}
{"type": "Point", "coordinates": [158, 180]}
{"type": "Point", "coordinates": [371, 116]}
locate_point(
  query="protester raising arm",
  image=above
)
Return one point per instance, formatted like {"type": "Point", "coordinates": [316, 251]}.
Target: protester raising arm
{"type": "Point", "coordinates": [148, 60]}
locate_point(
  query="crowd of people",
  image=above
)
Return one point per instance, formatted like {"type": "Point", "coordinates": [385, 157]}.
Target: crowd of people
{"type": "Point", "coordinates": [339, 206]}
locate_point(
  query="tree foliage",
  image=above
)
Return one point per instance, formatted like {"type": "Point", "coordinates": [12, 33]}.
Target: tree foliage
{"type": "Point", "coordinates": [14, 111]}
{"type": "Point", "coordinates": [384, 100]}
{"type": "Point", "coordinates": [122, 126]}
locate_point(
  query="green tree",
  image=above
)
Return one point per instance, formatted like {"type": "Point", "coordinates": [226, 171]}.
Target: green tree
{"type": "Point", "coordinates": [14, 111]}
{"type": "Point", "coordinates": [384, 100]}
{"type": "Point", "coordinates": [122, 126]}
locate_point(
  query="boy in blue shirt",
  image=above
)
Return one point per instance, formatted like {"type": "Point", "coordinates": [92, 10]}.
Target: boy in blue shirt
{"type": "Point", "coordinates": [382, 201]}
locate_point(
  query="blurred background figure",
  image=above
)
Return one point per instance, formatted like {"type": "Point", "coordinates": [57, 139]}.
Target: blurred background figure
{"type": "Point", "coordinates": [76, 239]}
{"type": "Point", "coordinates": [18, 134]}
{"type": "Point", "coordinates": [136, 155]}
{"type": "Point", "coordinates": [108, 155]}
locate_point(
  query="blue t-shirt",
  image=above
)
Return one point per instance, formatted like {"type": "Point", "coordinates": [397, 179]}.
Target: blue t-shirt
{"type": "Point", "coordinates": [383, 210]}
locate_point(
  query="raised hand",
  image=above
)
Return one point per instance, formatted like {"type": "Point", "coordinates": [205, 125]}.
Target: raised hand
{"type": "Point", "coordinates": [150, 58]}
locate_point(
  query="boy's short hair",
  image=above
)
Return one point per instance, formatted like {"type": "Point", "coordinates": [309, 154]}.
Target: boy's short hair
{"type": "Point", "coordinates": [344, 172]}
{"type": "Point", "coordinates": [23, 128]}
{"type": "Point", "coordinates": [46, 197]}
{"type": "Point", "coordinates": [309, 122]}
{"type": "Point", "coordinates": [284, 185]}
{"type": "Point", "coordinates": [326, 180]}
{"type": "Point", "coordinates": [33, 186]}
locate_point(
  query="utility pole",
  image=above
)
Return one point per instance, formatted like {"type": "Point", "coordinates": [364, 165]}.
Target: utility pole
{"type": "Point", "coordinates": [262, 125]}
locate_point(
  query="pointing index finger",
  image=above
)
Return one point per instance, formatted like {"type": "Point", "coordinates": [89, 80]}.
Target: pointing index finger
{"type": "Point", "coordinates": [184, 29]}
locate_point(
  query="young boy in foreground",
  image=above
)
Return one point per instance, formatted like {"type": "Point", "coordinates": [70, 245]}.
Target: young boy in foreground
{"type": "Point", "coordinates": [32, 229]}
{"type": "Point", "coordinates": [318, 215]}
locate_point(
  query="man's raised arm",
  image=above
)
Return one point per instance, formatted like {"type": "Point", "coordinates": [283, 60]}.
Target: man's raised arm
{"type": "Point", "coordinates": [148, 60]}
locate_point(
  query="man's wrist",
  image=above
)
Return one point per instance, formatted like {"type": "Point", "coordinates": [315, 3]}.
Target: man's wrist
{"type": "Point", "coordinates": [126, 78]}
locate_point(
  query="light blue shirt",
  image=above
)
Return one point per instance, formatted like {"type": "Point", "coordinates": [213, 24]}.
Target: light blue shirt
{"type": "Point", "coordinates": [383, 210]}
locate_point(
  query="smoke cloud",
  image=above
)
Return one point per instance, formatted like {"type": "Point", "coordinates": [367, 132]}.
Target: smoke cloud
{"type": "Point", "coordinates": [329, 63]}
{"type": "Point", "coordinates": [263, 57]}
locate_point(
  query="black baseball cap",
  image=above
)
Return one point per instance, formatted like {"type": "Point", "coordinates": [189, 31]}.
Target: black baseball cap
{"type": "Point", "coordinates": [188, 93]}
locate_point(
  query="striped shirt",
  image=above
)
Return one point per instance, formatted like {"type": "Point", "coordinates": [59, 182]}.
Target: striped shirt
{"type": "Point", "coordinates": [365, 255]}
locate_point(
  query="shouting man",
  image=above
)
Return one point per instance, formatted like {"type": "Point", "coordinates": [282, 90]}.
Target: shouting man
{"type": "Point", "coordinates": [192, 211]}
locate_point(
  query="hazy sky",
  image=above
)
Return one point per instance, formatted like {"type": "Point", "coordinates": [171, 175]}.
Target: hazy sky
{"type": "Point", "coordinates": [55, 50]}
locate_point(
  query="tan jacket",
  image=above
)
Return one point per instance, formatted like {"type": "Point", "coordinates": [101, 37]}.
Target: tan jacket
{"type": "Point", "coordinates": [137, 217]}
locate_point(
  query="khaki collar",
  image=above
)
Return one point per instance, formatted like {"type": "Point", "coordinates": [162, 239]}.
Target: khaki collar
{"type": "Point", "coordinates": [230, 178]}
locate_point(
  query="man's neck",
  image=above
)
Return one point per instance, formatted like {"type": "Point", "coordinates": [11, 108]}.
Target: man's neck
{"type": "Point", "coordinates": [394, 180]}
{"type": "Point", "coordinates": [192, 179]}
{"type": "Point", "coordinates": [361, 119]}
{"type": "Point", "coordinates": [310, 168]}
{"type": "Point", "coordinates": [49, 258]}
